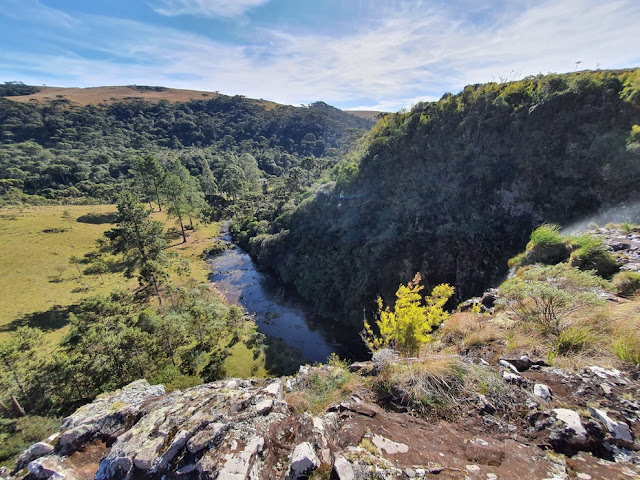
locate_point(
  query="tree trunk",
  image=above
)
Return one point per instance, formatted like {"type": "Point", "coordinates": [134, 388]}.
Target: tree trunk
{"type": "Point", "coordinates": [184, 237]}
{"type": "Point", "coordinates": [20, 410]}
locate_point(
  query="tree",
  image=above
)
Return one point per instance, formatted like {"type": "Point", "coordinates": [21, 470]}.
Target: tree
{"type": "Point", "coordinates": [407, 327]}
{"type": "Point", "coordinates": [174, 190]}
{"type": "Point", "coordinates": [150, 173]}
{"type": "Point", "coordinates": [141, 241]}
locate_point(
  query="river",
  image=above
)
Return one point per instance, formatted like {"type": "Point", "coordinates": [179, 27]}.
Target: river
{"type": "Point", "coordinates": [277, 310]}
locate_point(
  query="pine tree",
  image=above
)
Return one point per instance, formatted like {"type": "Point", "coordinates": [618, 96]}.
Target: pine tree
{"type": "Point", "coordinates": [141, 241]}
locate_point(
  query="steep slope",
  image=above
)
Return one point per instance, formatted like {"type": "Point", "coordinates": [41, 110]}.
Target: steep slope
{"type": "Point", "coordinates": [452, 188]}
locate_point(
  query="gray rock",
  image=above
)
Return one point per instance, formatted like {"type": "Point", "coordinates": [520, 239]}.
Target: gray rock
{"type": "Point", "coordinates": [49, 468]}
{"type": "Point", "coordinates": [238, 467]}
{"type": "Point", "coordinates": [264, 407]}
{"type": "Point", "coordinates": [34, 452]}
{"type": "Point", "coordinates": [211, 434]}
{"type": "Point", "coordinates": [303, 461]}
{"type": "Point", "coordinates": [389, 446]}
{"type": "Point", "coordinates": [512, 378]}
{"type": "Point", "coordinates": [618, 430]}
{"type": "Point", "coordinates": [541, 390]}
{"type": "Point", "coordinates": [573, 432]}
{"type": "Point", "coordinates": [343, 469]}
{"type": "Point", "coordinates": [508, 366]}
{"type": "Point", "coordinates": [274, 389]}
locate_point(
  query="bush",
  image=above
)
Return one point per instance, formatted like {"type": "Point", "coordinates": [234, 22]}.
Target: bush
{"type": "Point", "coordinates": [547, 246]}
{"type": "Point", "coordinates": [549, 294]}
{"type": "Point", "coordinates": [408, 326]}
{"type": "Point", "coordinates": [627, 283]}
{"type": "Point", "coordinates": [590, 254]}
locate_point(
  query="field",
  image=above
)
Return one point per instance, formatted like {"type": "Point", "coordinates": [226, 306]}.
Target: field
{"type": "Point", "coordinates": [39, 285]}
{"type": "Point", "coordinates": [112, 94]}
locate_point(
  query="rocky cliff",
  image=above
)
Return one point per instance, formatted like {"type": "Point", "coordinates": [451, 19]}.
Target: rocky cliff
{"type": "Point", "coordinates": [550, 424]}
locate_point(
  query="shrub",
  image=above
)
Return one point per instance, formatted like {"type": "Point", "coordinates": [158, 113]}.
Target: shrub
{"type": "Point", "coordinates": [549, 294]}
{"type": "Point", "coordinates": [408, 326]}
{"type": "Point", "coordinates": [546, 246]}
{"type": "Point", "coordinates": [627, 283]}
{"type": "Point", "coordinates": [590, 254]}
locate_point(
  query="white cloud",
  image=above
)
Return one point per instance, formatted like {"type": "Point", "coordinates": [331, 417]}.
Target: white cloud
{"type": "Point", "coordinates": [401, 56]}
{"type": "Point", "coordinates": [207, 8]}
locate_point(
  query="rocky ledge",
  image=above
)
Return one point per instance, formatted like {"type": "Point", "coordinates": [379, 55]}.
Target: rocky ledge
{"type": "Point", "coordinates": [561, 426]}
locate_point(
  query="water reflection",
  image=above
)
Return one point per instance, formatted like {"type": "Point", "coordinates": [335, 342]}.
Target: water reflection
{"type": "Point", "coordinates": [277, 310]}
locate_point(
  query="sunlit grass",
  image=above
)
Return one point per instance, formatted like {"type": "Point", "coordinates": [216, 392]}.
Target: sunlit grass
{"type": "Point", "coordinates": [37, 282]}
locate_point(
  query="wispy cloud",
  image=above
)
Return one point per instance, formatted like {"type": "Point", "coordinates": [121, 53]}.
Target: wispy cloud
{"type": "Point", "coordinates": [207, 8]}
{"type": "Point", "coordinates": [389, 60]}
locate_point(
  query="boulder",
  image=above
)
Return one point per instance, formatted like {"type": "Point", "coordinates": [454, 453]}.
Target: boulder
{"type": "Point", "coordinates": [343, 469]}
{"type": "Point", "coordinates": [303, 461]}
{"type": "Point", "coordinates": [34, 452]}
{"type": "Point", "coordinates": [50, 468]}
{"type": "Point", "coordinates": [619, 431]}
{"type": "Point", "coordinates": [569, 431]}
{"type": "Point", "coordinates": [543, 391]}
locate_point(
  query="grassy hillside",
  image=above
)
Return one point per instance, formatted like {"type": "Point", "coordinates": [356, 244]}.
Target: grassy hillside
{"type": "Point", "coordinates": [39, 285]}
{"type": "Point", "coordinates": [112, 94]}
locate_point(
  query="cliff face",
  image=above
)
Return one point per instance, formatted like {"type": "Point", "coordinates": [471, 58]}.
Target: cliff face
{"type": "Point", "coordinates": [451, 189]}
{"type": "Point", "coordinates": [248, 429]}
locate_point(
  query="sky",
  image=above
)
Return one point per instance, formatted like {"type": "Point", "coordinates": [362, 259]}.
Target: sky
{"type": "Point", "coordinates": [353, 54]}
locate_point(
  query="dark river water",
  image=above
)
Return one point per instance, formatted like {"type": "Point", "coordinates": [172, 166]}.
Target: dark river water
{"type": "Point", "coordinates": [277, 310]}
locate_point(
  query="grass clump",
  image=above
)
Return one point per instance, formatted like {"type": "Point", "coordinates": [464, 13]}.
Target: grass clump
{"type": "Point", "coordinates": [576, 339]}
{"type": "Point", "coordinates": [325, 386]}
{"type": "Point", "coordinates": [546, 246]}
{"type": "Point", "coordinates": [627, 283]}
{"type": "Point", "coordinates": [590, 254]}
{"type": "Point", "coordinates": [439, 386]}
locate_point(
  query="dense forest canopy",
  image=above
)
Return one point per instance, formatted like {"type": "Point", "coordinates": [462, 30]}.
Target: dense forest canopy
{"type": "Point", "coordinates": [63, 152]}
{"type": "Point", "coordinates": [452, 188]}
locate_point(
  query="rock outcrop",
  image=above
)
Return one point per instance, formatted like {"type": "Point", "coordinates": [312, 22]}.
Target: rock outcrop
{"type": "Point", "coordinates": [244, 429]}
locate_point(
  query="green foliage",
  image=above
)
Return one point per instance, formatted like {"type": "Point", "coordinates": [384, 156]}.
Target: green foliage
{"type": "Point", "coordinates": [575, 339]}
{"type": "Point", "coordinates": [546, 246]}
{"type": "Point", "coordinates": [141, 241]}
{"type": "Point", "coordinates": [409, 325]}
{"type": "Point", "coordinates": [453, 188]}
{"type": "Point", "coordinates": [16, 435]}
{"type": "Point", "coordinates": [54, 153]}
{"type": "Point", "coordinates": [549, 294]}
{"type": "Point", "coordinates": [627, 283]}
{"type": "Point", "coordinates": [12, 89]}
{"type": "Point", "coordinates": [596, 259]}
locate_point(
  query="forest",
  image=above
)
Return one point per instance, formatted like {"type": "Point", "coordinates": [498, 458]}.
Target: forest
{"type": "Point", "coordinates": [452, 189]}
{"type": "Point", "coordinates": [61, 152]}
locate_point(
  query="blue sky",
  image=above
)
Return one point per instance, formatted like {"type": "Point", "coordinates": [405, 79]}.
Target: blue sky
{"type": "Point", "coordinates": [367, 54]}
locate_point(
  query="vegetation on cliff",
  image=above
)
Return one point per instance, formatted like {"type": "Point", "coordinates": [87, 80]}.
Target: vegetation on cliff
{"type": "Point", "coordinates": [452, 188]}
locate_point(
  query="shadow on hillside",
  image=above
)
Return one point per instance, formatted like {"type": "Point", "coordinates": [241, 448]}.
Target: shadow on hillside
{"type": "Point", "coordinates": [98, 218]}
{"type": "Point", "coordinates": [52, 319]}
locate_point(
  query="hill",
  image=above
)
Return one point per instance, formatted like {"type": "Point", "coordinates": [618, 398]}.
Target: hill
{"type": "Point", "coordinates": [76, 145]}
{"type": "Point", "coordinates": [451, 188]}
{"type": "Point", "coordinates": [111, 94]}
